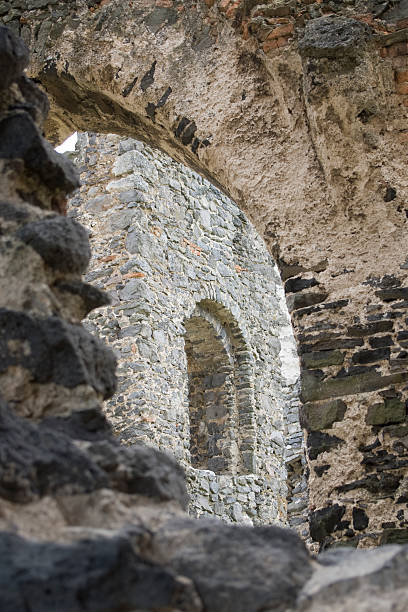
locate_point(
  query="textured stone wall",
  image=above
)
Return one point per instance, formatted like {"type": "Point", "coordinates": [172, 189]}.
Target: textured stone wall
{"type": "Point", "coordinates": [82, 519]}
{"type": "Point", "coordinates": [308, 135]}
{"type": "Point", "coordinates": [192, 287]}
{"type": "Point", "coordinates": [87, 524]}
{"type": "Point", "coordinates": [62, 474]}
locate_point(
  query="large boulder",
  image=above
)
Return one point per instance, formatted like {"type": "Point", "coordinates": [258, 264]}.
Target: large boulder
{"type": "Point", "coordinates": [235, 569]}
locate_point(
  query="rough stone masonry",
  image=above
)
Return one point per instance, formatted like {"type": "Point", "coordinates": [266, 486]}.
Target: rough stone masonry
{"type": "Point", "coordinates": [199, 324]}
{"type": "Point", "coordinates": [299, 112]}
{"type": "Point", "coordinates": [87, 525]}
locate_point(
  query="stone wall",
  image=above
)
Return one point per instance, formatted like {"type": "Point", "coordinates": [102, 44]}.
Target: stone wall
{"type": "Point", "coordinates": [303, 122]}
{"type": "Point", "coordinates": [197, 319]}
{"type": "Point", "coordinates": [87, 524]}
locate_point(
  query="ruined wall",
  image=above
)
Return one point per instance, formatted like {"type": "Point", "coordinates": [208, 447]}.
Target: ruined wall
{"type": "Point", "coordinates": [308, 135]}
{"type": "Point", "coordinates": [87, 524]}
{"type": "Point", "coordinates": [166, 243]}
{"type": "Point", "coordinates": [82, 519]}
{"type": "Point", "coordinates": [54, 476]}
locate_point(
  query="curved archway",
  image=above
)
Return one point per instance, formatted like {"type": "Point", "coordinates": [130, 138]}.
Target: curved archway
{"type": "Point", "coordinates": [199, 81]}
{"type": "Point", "coordinates": [176, 245]}
{"type": "Point", "coordinates": [220, 381]}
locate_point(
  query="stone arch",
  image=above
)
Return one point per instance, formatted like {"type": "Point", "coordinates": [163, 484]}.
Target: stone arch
{"type": "Point", "coordinates": [303, 157]}
{"type": "Point", "coordinates": [178, 243]}
{"type": "Point", "coordinates": [220, 369]}
{"type": "Point", "coordinates": [126, 477]}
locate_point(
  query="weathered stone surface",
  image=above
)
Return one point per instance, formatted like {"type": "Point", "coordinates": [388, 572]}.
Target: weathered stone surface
{"type": "Point", "coordinates": [315, 389]}
{"type": "Point", "coordinates": [35, 100]}
{"type": "Point", "coordinates": [54, 351]}
{"type": "Point", "coordinates": [298, 284]}
{"type": "Point", "coordinates": [376, 327]}
{"type": "Point", "coordinates": [326, 344]}
{"type": "Point", "coordinates": [13, 57]}
{"type": "Point", "coordinates": [305, 165]}
{"type": "Point", "coordinates": [21, 139]}
{"type": "Point", "coordinates": [382, 484]}
{"type": "Point", "coordinates": [393, 293]}
{"type": "Point", "coordinates": [322, 415]}
{"type": "Point", "coordinates": [347, 579]}
{"type": "Point", "coordinates": [360, 519]}
{"type": "Point", "coordinates": [87, 425]}
{"type": "Point", "coordinates": [235, 569]}
{"type": "Point", "coordinates": [167, 255]}
{"type": "Point", "coordinates": [320, 359]}
{"type": "Point", "coordinates": [318, 442]}
{"type": "Point", "coordinates": [89, 297]}
{"type": "Point", "coordinates": [301, 300]}
{"type": "Point", "coordinates": [37, 462]}
{"type": "Point", "coordinates": [391, 411]}
{"type": "Point", "coordinates": [380, 341]}
{"type": "Point", "coordinates": [302, 144]}
{"type": "Point", "coordinates": [333, 37]}
{"type": "Point", "coordinates": [323, 522]}
{"type": "Point", "coordinates": [370, 356]}
{"type": "Point", "coordinates": [394, 536]}
{"type": "Point", "coordinates": [101, 574]}
{"type": "Point", "coordinates": [11, 213]}
{"type": "Point", "coordinates": [62, 243]}
{"type": "Point", "coordinates": [71, 469]}
{"type": "Point", "coordinates": [141, 470]}
{"type": "Point", "coordinates": [336, 305]}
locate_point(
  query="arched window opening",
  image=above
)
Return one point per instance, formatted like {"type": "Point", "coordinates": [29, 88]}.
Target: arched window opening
{"type": "Point", "coordinates": [220, 391]}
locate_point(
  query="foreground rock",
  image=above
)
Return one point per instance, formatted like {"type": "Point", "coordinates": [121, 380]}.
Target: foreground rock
{"type": "Point", "coordinates": [102, 574]}
{"type": "Point", "coordinates": [235, 569]}
{"type": "Point", "coordinates": [358, 580]}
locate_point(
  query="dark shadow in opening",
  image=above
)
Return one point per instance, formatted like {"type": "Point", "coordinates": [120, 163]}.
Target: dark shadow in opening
{"type": "Point", "coordinates": [220, 371]}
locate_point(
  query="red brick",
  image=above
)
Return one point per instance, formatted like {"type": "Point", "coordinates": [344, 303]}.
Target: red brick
{"type": "Point", "coordinates": [282, 42]}
{"type": "Point", "coordinates": [134, 275]}
{"type": "Point", "coordinates": [245, 29]}
{"type": "Point", "coordinates": [402, 88]}
{"type": "Point", "coordinates": [401, 76]}
{"type": "Point", "coordinates": [229, 7]}
{"type": "Point", "coordinates": [280, 31]}
{"type": "Point", "coordinates": [269, 45]}
{"type": "Point", "coordinates": [365, 18]}
{"type": "Point", "coordinates": [223, 5]}
{"type": "Point", "coordinates": [232, 10]}
{"type": "Point", "coordinates": [277, 20]}
{"type": "Point", "coordinates": [402, 23]}
{"type": "Point", "coordinates": [397, 49]}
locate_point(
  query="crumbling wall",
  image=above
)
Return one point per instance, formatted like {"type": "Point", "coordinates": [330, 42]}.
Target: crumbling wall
{"type": "Point", "coordinates": [82, 518]}
{"type": "Point", "coordinates": [308, 135]}
{"type": "Point", "coordinates": [85, 523]}
{"type": "Point", "coordinates": [165, 242]}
